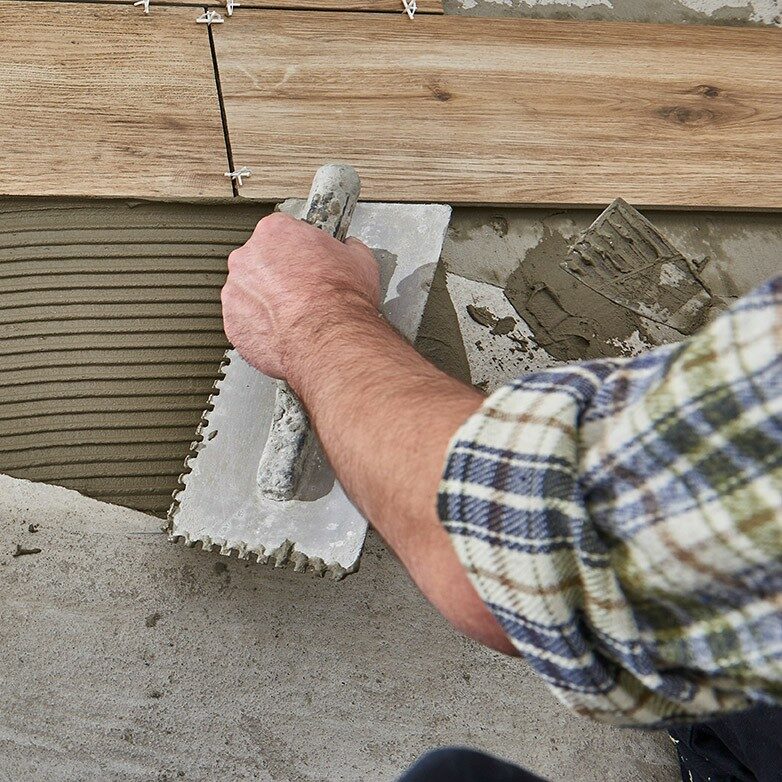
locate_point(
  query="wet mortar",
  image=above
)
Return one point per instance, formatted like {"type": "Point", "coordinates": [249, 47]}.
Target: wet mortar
{"type": "Point", "coordinates": [112, 333]}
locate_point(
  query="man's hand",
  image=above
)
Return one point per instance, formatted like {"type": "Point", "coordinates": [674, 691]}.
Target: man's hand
{"type": "Point", "coordinates": [288, 281]}
{"type": "Point", "coordinates": [299, 305]}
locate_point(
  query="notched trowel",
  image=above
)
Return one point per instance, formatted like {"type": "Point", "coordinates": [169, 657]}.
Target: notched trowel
{"type": "Point", "coordinates": [256, 481]}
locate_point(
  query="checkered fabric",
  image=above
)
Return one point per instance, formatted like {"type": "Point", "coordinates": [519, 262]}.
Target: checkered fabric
{"type": "Point", "coordinates": [622, 519]}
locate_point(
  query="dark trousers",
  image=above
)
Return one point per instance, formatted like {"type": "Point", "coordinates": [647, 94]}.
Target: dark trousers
{"type": "Point", "coordinates": [455, 764]}
{"type": "Point", "coordinates": [745, 747]}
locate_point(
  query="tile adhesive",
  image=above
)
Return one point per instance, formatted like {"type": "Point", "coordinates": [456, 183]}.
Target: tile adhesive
{"type": "Point", "coordinates": [111, 331]}
{"type": "Point", "coordinates": [110, 339]}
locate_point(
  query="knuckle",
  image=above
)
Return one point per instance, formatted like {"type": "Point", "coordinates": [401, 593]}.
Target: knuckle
{"type": "Point", "coordinates": [230, 291]}
{"type": "Point", "coordinates": [272, 223]}
{"type": "Point", "coordinates": [226, 307]}
{"type": "Point", "coordinates": [277, 218]}
{"type": "Point", "coordinates": [234, 260]}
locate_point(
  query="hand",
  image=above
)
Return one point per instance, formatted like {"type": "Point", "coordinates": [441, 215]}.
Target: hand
{"type": "Point", "coordinates": [287, 284]}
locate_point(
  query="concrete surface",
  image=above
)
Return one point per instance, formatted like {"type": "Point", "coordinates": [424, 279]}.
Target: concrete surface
{"type": "Point", "coordinates": [732, 12]}
{"type": "Point", "coordinates": [126, 657]}
{"type": "Point", "coordinates": [742, 249]}
{"type": "Point", "coordinates": [485, 248]}
{"type": "Point", "coordinates": [144, 280]}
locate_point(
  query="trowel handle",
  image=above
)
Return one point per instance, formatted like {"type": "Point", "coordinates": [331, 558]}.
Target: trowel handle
{"type": "Point", "coordinates": [292, 444]}
{"type": "Point", "coordinates": [333, 198]}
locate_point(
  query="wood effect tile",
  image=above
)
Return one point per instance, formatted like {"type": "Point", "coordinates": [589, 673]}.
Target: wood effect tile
{"type": "Point", "coordinates": [98, 101]}
{"type": "Point", "coordinates": [515, 112]}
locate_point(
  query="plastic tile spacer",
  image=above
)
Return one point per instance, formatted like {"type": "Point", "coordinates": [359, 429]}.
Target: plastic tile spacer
{"type": "Point", "coordinates": [239, 175]}
{"type": "Point", "coordinates": [210, 17]}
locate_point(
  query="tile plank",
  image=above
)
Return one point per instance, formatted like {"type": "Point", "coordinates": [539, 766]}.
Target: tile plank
{"type": "Point", "coordinates": [100, 102]}
{"type": "Point", "coordinates": [385, 6]}
{"type": "Point", "coordinates": [516, 112]}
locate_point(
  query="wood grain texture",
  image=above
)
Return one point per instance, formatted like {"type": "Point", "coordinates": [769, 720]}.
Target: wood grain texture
{"type": "Point", "coordinates": [98, 101]}
{"type": "Point", "coordinates": [514, 112]}
{"type": "Point", "coordinates": [375, 6]}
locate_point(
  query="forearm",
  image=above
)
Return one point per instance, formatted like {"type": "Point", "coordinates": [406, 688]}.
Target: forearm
{"type": "Point", "coordinates": [302, 306]}
{"type": "Point", "coordinates": [385, 417]}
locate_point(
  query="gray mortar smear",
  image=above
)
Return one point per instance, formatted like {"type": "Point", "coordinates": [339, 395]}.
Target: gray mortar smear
{"type": "Point", "coordinates": [569, 320]}
{"type": "Point", "coordinates": [499, 327]}
{"type": "Point", "coordinates": [387, 262]}
{"type": "Point", "coordinates": [628, 260]}
{"type": "Point", "coordinates": [750, 12]}
{"type": "Point", "coordinates": [439, 338]}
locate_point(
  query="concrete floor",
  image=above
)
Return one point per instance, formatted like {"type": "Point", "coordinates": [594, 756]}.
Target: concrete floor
{"type": "Point", "coordinates": [125, 657]}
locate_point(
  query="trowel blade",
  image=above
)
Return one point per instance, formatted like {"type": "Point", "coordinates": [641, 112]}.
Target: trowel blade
{"type": "Point", "coordinates": [218, 504]}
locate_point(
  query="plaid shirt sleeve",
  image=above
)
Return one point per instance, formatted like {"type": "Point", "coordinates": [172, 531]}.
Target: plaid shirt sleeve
{"type": "Point", "coordinates": [622, 519]}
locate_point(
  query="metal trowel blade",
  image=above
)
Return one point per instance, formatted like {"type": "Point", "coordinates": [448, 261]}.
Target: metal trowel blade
{"type": "Point", "coordinates": [218, 503]}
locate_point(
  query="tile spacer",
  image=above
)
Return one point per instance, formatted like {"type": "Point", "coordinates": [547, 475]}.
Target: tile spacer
{"type": "Point", "coordinates": [410, 7]}
{"type": "Point", "coordinates": [238, 175]}
{"type": "Point", "coordinates": [210, 17]}
{"type": "Point", "coordinates": [142, 4]}
{"type": "Point", "coordinates": [230, 5]}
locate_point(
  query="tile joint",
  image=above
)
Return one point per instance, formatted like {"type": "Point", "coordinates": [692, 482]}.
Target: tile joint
{"type": "Point", "coordinates": [223, 117]}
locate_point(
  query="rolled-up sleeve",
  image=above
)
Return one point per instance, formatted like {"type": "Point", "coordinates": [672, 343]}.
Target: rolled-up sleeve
{"type": "Point", "coordinates": [622, 519]}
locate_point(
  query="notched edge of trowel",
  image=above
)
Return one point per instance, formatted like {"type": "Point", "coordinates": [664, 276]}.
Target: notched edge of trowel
{"type": "Point", "coordinates": [284, 556]}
